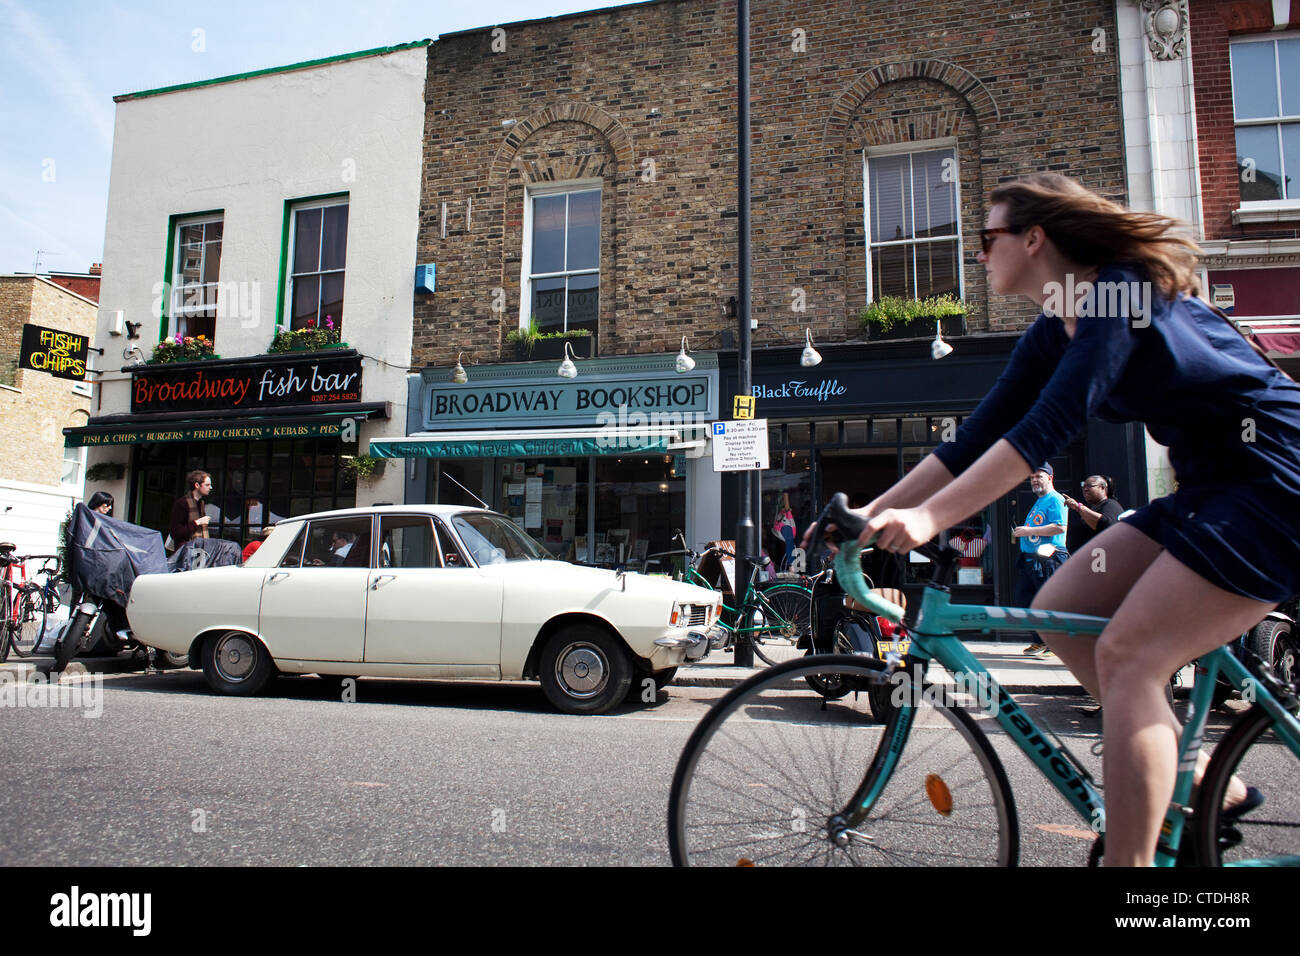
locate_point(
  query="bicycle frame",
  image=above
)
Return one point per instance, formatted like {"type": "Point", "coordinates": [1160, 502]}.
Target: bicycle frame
{"type": "Point", "coordinates": [933, 632]}
{"type": "Point", "coordinates": [751, 601]}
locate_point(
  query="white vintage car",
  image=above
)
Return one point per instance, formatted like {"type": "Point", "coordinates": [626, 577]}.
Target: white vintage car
{"type": "Point", "coordinates": [430, 591]}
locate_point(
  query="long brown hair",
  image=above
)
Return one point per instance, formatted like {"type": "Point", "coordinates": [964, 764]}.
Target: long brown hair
{"type": "Point", "coordinates": [1090, 230]}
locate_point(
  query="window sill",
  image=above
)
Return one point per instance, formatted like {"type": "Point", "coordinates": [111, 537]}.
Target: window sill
{"type": "Point", "coordinates": [1282, 211]}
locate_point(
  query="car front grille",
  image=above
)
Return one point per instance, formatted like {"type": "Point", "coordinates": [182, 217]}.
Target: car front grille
{"type": "Point", "coordinates": [699, 615]}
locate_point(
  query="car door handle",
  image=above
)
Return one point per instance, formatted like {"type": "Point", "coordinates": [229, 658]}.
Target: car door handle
{"type": "Point", "coordinates": [277, 575]}
{"type": "Point", "coordinates": [374, 585]}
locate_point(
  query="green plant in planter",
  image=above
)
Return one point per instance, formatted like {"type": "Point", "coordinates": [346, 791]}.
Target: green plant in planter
{"type": "Point", "coordinates": [310, 338]}
{"type": "Point", "coordinates": [891, 310]}
{"type": "Point", "coordinates": [363, 466]}
{"type": "Point", "coordinates": [105, 471]}
{"type": "Point", "coordinates": [184, 348]}
{"type": "Point", "coordinates": [525, 338]}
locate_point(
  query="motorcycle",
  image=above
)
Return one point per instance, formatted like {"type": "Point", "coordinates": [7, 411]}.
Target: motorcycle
{"type": "Point", "coordinates": [104, 557]}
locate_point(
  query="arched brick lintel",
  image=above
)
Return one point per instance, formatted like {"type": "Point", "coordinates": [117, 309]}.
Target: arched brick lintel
{"type": "Point", "coordinates": [609, 127]}
{"type": "Point", "coordinates": [964, 82]}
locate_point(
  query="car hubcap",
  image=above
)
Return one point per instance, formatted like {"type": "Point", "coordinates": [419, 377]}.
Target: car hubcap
{"type": "Point", "coordinates": [235, 657]}
{"type": "Point", "coordinates": [581, 670]}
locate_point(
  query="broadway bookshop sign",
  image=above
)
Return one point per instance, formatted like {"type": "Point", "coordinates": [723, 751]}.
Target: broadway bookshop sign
{"type": "Point", "coordinates": [201, 386]}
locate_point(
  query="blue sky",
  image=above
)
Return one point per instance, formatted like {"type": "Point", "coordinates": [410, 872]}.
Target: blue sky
{"type": "Point", "coordinates": [63, 61]}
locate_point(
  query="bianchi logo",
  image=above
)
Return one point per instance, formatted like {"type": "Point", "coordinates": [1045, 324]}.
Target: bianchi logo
{"type": "Point", "coordinates": [77, 909]}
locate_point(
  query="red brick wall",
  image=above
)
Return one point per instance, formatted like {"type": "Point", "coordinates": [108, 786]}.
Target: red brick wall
{"type": "Point", "coordinates": [1020, 90]}
{"type": "Point", "coordinates": [1213, 24]}
{"type": "Point", "coordinates": [85, 286]}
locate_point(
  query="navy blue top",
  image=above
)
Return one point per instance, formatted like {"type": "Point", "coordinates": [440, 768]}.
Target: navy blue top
{"type": "Point", "coordinates": [1225, 413]}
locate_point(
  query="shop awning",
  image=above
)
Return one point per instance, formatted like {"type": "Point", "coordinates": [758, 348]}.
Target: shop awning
{"type": "Point", "coordinates": [539, 442]}
{"type": "Point", "coordinates": [153, 429]}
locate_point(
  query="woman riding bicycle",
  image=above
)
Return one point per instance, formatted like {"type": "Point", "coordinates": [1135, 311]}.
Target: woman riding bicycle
{"type": "Point", "coordinates": [1121, 338]}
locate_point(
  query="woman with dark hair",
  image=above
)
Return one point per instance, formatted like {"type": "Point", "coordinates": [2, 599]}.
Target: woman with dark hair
{"type": "Point", "coordinates": [102, 502]}
{"type": "Point", "coordinates": [1122, 338]}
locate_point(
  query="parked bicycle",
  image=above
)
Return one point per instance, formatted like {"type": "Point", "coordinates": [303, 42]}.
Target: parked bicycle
{"type": "Point", "coordinates": [38, 606]}
{"type": "Point", "coordinates": [775, 774]}
{"type": "Point", "coordinates": [779, 612]}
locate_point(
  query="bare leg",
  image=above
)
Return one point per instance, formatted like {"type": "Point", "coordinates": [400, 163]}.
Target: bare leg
{"type": "Point", "coordinates": [1171, 616]}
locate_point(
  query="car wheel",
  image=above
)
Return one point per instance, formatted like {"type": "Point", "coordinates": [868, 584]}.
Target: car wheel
{"type": "Point", "coordinates": [584, 670]}
{"type": "Point", "coordinates": [236, 663]}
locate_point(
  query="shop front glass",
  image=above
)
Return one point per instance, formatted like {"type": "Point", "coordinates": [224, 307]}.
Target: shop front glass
{"type": "Point", "coordinates": [606, 511]}
{"type": "Point", "coordinates": [254, 483]}
{"type": "Point", "coordinates": [863, 458]}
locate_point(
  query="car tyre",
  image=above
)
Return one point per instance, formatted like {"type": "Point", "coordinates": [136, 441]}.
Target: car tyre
{"type": "Point", "coordinates": [585, 670]}
{"type": "Point", "coordinates": [1275, 644]}
{"type": "Point", "coordinates": [236, 663]}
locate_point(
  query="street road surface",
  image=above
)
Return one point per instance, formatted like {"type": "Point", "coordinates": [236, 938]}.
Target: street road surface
{"type": "Point", "coordinates": [412, 773]}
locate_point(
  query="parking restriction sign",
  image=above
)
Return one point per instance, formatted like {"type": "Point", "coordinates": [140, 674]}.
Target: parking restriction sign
{"type": "Point", "coordinates": [740, 445]}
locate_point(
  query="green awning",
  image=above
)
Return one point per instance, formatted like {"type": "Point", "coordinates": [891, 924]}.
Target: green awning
{"type": "Point", "coordinates": [528, 443]}
{"type": "Point", "coordinates": [249, 429]}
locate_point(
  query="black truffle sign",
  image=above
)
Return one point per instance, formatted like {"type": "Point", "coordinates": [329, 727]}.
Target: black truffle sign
{"type": "Point", "coordinates": [61, 354]}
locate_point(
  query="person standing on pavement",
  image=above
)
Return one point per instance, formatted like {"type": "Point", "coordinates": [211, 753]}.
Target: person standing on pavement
{"type": "Point", "coordinates": [1044, 524]}
{"type": "Point", "coordinates": [188, 518]}
{"type": "Point", "coordinates": [1097, 512]}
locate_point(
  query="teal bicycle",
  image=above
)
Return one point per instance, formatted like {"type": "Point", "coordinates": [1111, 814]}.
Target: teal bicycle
{"type": "Point", "coordinates": [775, 775]}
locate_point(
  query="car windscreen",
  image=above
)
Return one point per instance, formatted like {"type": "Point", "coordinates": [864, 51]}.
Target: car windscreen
{"type": "Point", "coordinates": [492, 539]}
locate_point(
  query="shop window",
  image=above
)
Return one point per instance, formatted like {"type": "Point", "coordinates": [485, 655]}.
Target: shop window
{"type": "Point", "coordinates": [196, 276]}
{"type": "Point", "coordinates": [912, 222]}
{"type": "Point", "coordinates": [884, 431]}
{"type": "Point", "coordinates": [318, 244]}
{"type": "Point", "coordinates": [561, 279]}
{"type": "Point", "coordinates": [1266, 113]}
{"type": "Point", "coordinates": [798, 433]}
{"type": "Point", "coordinates": [828, 433]}
{"type": "Point", "coordinates": [640, 505]}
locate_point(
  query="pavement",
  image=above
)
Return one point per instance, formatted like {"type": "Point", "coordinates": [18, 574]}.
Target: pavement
{"type": "Point", "coordinates": [1015, 672]}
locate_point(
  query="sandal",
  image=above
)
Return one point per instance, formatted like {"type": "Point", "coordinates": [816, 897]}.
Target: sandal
{"type": "Point", "coordinates": [1254, 799]}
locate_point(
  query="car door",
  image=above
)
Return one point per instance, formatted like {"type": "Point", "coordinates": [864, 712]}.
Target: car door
{"type": "Point", "coordinates": [314, 603]}
{"type": "Point", "coordinates": [425, 606]}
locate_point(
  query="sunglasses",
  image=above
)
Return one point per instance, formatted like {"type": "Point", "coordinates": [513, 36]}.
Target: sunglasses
{"type": "Point", "coordinates": [987, 236]}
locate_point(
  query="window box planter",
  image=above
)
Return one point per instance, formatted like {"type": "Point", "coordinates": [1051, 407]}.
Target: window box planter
{"type": "Point", "coordinates": [301, 346]}
{"type": "Point", "coordinates": [552, 347]}
{"type": "Point", "coordinates": [183, 358]}
{"type": "Point", "coordinates": [922, 327]}
{"type": "Point", "coordinates": [892, 317]}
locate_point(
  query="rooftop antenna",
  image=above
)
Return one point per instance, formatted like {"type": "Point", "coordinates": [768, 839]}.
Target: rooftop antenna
{"type": "Point", "coordinates": [36, 265]}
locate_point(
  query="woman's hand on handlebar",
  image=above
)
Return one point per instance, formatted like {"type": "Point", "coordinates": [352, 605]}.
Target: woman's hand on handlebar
{"type": "Point", "coordinates": [900, 530]}
{"type": "Point", "coordinates": [806, 541]}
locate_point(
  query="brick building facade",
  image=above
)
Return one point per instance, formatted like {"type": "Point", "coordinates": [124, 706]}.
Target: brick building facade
{"type": "Point", "coordinates": [1249, 156]}
{"type": "Point", "coordinates": [583, 170]}
{"type": "Point", "coordinates": [641, 102]}
{"type": "Point", "coordinates": [39, 480]}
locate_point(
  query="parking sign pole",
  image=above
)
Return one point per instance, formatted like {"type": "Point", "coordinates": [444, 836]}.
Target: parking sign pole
{"type": "Point", "coordinates": [746, 528]}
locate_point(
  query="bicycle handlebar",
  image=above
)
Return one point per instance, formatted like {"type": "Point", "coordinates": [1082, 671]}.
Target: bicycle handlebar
{"type": "Point", "coordinates": [848, 562]}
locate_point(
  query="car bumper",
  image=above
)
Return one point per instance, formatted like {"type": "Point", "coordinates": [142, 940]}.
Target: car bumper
{"type": "Point", "coordinates": [694, 644]}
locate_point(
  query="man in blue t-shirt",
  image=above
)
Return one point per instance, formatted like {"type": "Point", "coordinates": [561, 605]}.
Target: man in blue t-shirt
{"type": "Point", "coordinates": [1045, 524]}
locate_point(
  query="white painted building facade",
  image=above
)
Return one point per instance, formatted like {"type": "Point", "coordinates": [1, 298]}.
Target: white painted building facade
{"type": "Point", "coordinates": [215, 188]}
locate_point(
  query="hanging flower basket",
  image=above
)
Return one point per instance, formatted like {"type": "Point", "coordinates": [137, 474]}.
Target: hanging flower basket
{"type": "Point", "coordinates": [364, 466]}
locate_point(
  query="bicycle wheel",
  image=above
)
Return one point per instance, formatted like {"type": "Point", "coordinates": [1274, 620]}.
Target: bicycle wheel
{"type": "Point", "coordinates": [7, 610]}
{"type": "Point", "coordinates": [785, 614]}
{"type": "Point", "coordinates": [1269, 834]}
{"type": "Point", "coordinates": [29, 623]}
{"type": "Point", "coordinates": [770, 770]}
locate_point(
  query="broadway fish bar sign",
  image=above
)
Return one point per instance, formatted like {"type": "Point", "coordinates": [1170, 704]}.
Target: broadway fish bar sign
{"type": "Point", "coordinates": [61, 354]}
{"type": "Point", "coordinates": [201, 386]}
